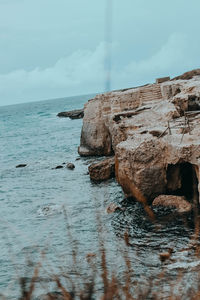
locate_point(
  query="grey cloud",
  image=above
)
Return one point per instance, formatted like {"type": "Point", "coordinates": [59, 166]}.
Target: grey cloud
{"type": "Point", "coordinates": [42, 41]}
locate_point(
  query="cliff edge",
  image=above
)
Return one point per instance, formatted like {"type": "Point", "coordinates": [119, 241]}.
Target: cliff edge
{"type": "Point", "coordinates": [154, 133]}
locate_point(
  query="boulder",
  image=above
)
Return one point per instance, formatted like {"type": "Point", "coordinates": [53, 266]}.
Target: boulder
{"type": "Point", "coordinates": [73, 114]}
{"type": "Point", "coordinates": [70, 166]}
{"type": "Point", "coordinates": [102, 170]}
{"type": "Point", "coordinates": [178, 202]}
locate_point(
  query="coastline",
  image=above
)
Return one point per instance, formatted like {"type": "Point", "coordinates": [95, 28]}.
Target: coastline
{"type": "Point", "coordinates": [154, 133]}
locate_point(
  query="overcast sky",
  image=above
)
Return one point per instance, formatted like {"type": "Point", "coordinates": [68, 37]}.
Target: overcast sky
{"type": "Point", "coordinates": [56, 48]}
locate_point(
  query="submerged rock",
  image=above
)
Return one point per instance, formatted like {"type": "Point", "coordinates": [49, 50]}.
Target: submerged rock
{"type": "Point", "coordinates": [178, 202]}
{"type": "Point", "coordinates": [73, 114]}
{"type": "Point", "coordinates": [21, 166]}
{"type": "Point", "coordinates": [102, 170]}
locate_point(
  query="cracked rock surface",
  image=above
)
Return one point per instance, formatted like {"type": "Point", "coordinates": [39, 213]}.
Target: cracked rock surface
{"type": "Point", "coordinates": [154, 133]}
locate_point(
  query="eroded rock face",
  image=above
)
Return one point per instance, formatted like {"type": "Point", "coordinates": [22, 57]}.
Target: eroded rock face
{"type": "Point", "coordinates": [102, 170]}
{"type": "Point", "coordinates": [154, 132]}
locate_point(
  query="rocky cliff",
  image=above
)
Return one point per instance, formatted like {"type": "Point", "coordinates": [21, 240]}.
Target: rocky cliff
{"type": "Point", "coordinates": [154, 133]}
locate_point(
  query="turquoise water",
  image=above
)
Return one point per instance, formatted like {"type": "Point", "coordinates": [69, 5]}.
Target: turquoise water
{"type": "Point", "coordinates": [34, 199]}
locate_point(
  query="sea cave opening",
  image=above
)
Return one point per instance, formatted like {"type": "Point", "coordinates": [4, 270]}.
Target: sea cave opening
{"type": "Point", "coordinates": [182, 180]}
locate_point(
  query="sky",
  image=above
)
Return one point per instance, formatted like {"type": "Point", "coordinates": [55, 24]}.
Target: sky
{"type": "Point", "coordinates": [56, 48]}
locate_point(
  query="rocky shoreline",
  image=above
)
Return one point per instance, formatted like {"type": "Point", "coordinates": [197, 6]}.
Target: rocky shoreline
{"type": "Point", "coordinates": [73, 114]}
{"type": "Point", "coordinates": [153, 132]}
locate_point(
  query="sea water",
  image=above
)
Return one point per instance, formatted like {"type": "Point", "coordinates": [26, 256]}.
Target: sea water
{"type": "Point", "coordinates": [46, 212]}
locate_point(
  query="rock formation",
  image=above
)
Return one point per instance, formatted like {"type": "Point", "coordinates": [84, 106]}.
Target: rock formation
{"type": "Point", "coordinates": [154, 132]}
{"type": "Point", "coordinates": [102, 170]}
{"type": "Point", "coordinates": [70, 166]}
{"type": "Point", "coordinates": [73, 114]}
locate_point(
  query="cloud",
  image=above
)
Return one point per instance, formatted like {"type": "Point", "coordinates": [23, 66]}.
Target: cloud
{"type": "Point", "coordinates": [82, 72]}
{"type": "Point", "coordinates": [174, 57]}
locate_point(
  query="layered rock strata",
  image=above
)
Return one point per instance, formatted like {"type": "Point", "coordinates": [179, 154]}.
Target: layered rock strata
{"type": "Point", "coordinates": [154, 132]}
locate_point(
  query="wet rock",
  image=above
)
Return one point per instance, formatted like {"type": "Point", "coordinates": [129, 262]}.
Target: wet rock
{"type": "Point", "coordinates": [102, 170]}
{"type": "Point", "coordinates": [21, 166]}
{"type": "Point", "coordinates": [58, 167]}
{"type": "Point", "coordinates": [73, 114]}
{"type": "Point", "coordinates": [70, 166]}
{"type": "Point", "coordinates": [112, 207]}
{"type": "Point", "coordinates": [165, 255]}
{"type": "Point", "coordinates": [178, 202]}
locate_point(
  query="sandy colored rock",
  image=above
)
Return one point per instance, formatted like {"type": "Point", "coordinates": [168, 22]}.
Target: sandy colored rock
{"type": "Point", "coordinates": [154, 132]}
{"type": "Point", "coordinates": [162, 79]}
{"type": "Point", "coordinates": [102, 170]}
{"type": "Point", "coordinates": [188, 75]}
{"type": "Point", "coordinates": [177, 202]}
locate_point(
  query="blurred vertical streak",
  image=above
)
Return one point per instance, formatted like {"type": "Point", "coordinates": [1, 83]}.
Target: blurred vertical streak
{"type": "Point", "coordinates": [108, 45]}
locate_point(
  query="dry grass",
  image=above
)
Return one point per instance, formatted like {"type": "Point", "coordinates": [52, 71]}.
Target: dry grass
{"type": "Point", "coordinates": [83, 287]}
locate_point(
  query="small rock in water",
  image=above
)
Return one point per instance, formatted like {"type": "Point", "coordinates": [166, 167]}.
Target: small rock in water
{"type": "Point", "coordinates": [78, 158]}
{"type": "Point", "coordinates": [70, 166]}
{"type": "Point", "coordinates": [112, 207]}
{"type": "Point", "coordinates": [21, 166]}
{"type": "Point", "coordinates": [58, 167]}
{"type": "Point", "coordinates": [165, 255]}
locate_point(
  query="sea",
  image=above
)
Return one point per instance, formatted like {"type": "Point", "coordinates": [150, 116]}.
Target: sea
{"type": "Point", "coordinates": [53, 219]}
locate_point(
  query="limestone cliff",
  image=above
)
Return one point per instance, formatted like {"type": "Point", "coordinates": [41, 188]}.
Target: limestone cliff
{"type": "Point", "coordinates": [154, 132]}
